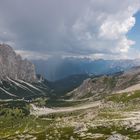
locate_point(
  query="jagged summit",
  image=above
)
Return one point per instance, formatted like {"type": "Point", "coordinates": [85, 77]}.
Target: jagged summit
{"type": "Point", "coordinates": [14, 67]}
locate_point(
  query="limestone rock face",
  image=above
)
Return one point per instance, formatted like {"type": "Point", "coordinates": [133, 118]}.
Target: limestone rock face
{"type": "Point", "coordinates": [14, 67]}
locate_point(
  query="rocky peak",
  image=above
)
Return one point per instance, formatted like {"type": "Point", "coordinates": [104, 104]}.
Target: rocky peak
{"type": "Point", "coordinates": [14, 67]}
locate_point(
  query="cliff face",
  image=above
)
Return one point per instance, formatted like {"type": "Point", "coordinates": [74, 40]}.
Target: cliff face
{"type": "Point", "coordinates": [14, 67]}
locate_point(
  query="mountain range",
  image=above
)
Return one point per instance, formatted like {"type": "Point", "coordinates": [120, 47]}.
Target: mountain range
{"type": "Point", "coordinates": [80, 106]}
{"type": "Point", "coordinates": [57, 68]}
{"type": "Point", "coordinates": [18, 78]}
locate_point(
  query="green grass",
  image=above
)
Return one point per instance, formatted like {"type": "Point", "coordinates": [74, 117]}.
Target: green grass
{"type": "Point", "coordinates": [30, 124]}
{"type": "Point", "coordinates": [15, 118]}
{"type": "Point", "coordinates": [16, 121]}
{"type": "Point", "coordinates": [109, 115]}
{"type": "Point", "coordinates": [110, 82]}
{"type": "Point", "coordinates": [56, 103]}
{"type": "Point", "coordinates": [124, 97]}
{"type": "Point", "coordinates": [107, 130]}
{"type": "Point", "coordinates": [61, 115]}
{"type": "Point", "coordinates": [14, 109]}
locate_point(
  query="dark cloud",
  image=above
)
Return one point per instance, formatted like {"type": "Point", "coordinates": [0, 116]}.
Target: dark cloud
{"type": "Point", "coordinates": [63, 27]}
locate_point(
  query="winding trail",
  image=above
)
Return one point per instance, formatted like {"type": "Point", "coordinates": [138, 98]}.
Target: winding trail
{"type": "Point", "coordinates": [45, 111]}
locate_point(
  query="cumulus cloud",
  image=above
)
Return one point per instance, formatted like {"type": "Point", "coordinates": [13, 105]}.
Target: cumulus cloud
{"type": "Point", "coordinates": [113, 29]}
{"type": "Point", "coordinates": [95, 28]}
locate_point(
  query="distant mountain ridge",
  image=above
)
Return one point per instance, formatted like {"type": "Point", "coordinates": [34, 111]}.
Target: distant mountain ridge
{"type": "Point", "coordinates": [18, 78]}
{"type": "Point", "coordinates": [58, 68]}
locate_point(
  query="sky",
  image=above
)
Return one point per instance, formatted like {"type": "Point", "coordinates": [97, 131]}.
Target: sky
{"type": "Point", "coordinates": [134, 33]}
{"type": "Point", "coordinates": [39, 29]}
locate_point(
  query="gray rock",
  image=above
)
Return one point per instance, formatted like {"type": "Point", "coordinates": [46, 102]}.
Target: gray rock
{"type": "Point", "coordinates": [14, 67]}
{"type": "Point", "coordinates": [118, 137]}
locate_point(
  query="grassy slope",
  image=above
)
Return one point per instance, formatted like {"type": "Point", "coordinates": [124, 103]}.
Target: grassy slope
{"type": "Point", "coordinates": [15, 123]}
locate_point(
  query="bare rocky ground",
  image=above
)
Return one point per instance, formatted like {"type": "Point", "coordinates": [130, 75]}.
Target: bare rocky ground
{"type": "Point", "coordinates": [115, 117]}
{"type": "Point", "coordinates": [45, 111]}
{"type": "Point", "coordinates": [104, 120]}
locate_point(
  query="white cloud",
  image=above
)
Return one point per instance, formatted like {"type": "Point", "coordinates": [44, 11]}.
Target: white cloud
{"type": "Point", "coordinates": [113, 29]}
{"type": "Point", "coordinates": [124, 45]}
{"type": "Point", "coordinates": [104, 26]}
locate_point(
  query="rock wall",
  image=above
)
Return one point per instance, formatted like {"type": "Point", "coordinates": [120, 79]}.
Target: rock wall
{"type": "Point", "coordinates": [14, 67]}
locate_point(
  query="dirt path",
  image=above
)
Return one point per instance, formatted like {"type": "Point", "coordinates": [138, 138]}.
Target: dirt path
{"type": "Point", "coordinates": [45, 111]}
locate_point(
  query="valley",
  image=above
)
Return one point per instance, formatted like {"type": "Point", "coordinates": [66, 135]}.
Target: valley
{"type": "Point", "coordinates": [79, 107]}
{"type": "Point", "coordinates": [69, 69]}
{"type": "Point", "coordinates": [115, 116]}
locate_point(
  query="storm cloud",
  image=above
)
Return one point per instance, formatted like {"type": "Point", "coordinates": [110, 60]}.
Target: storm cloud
{"type": "Point", "coordinates": [78, 28]}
